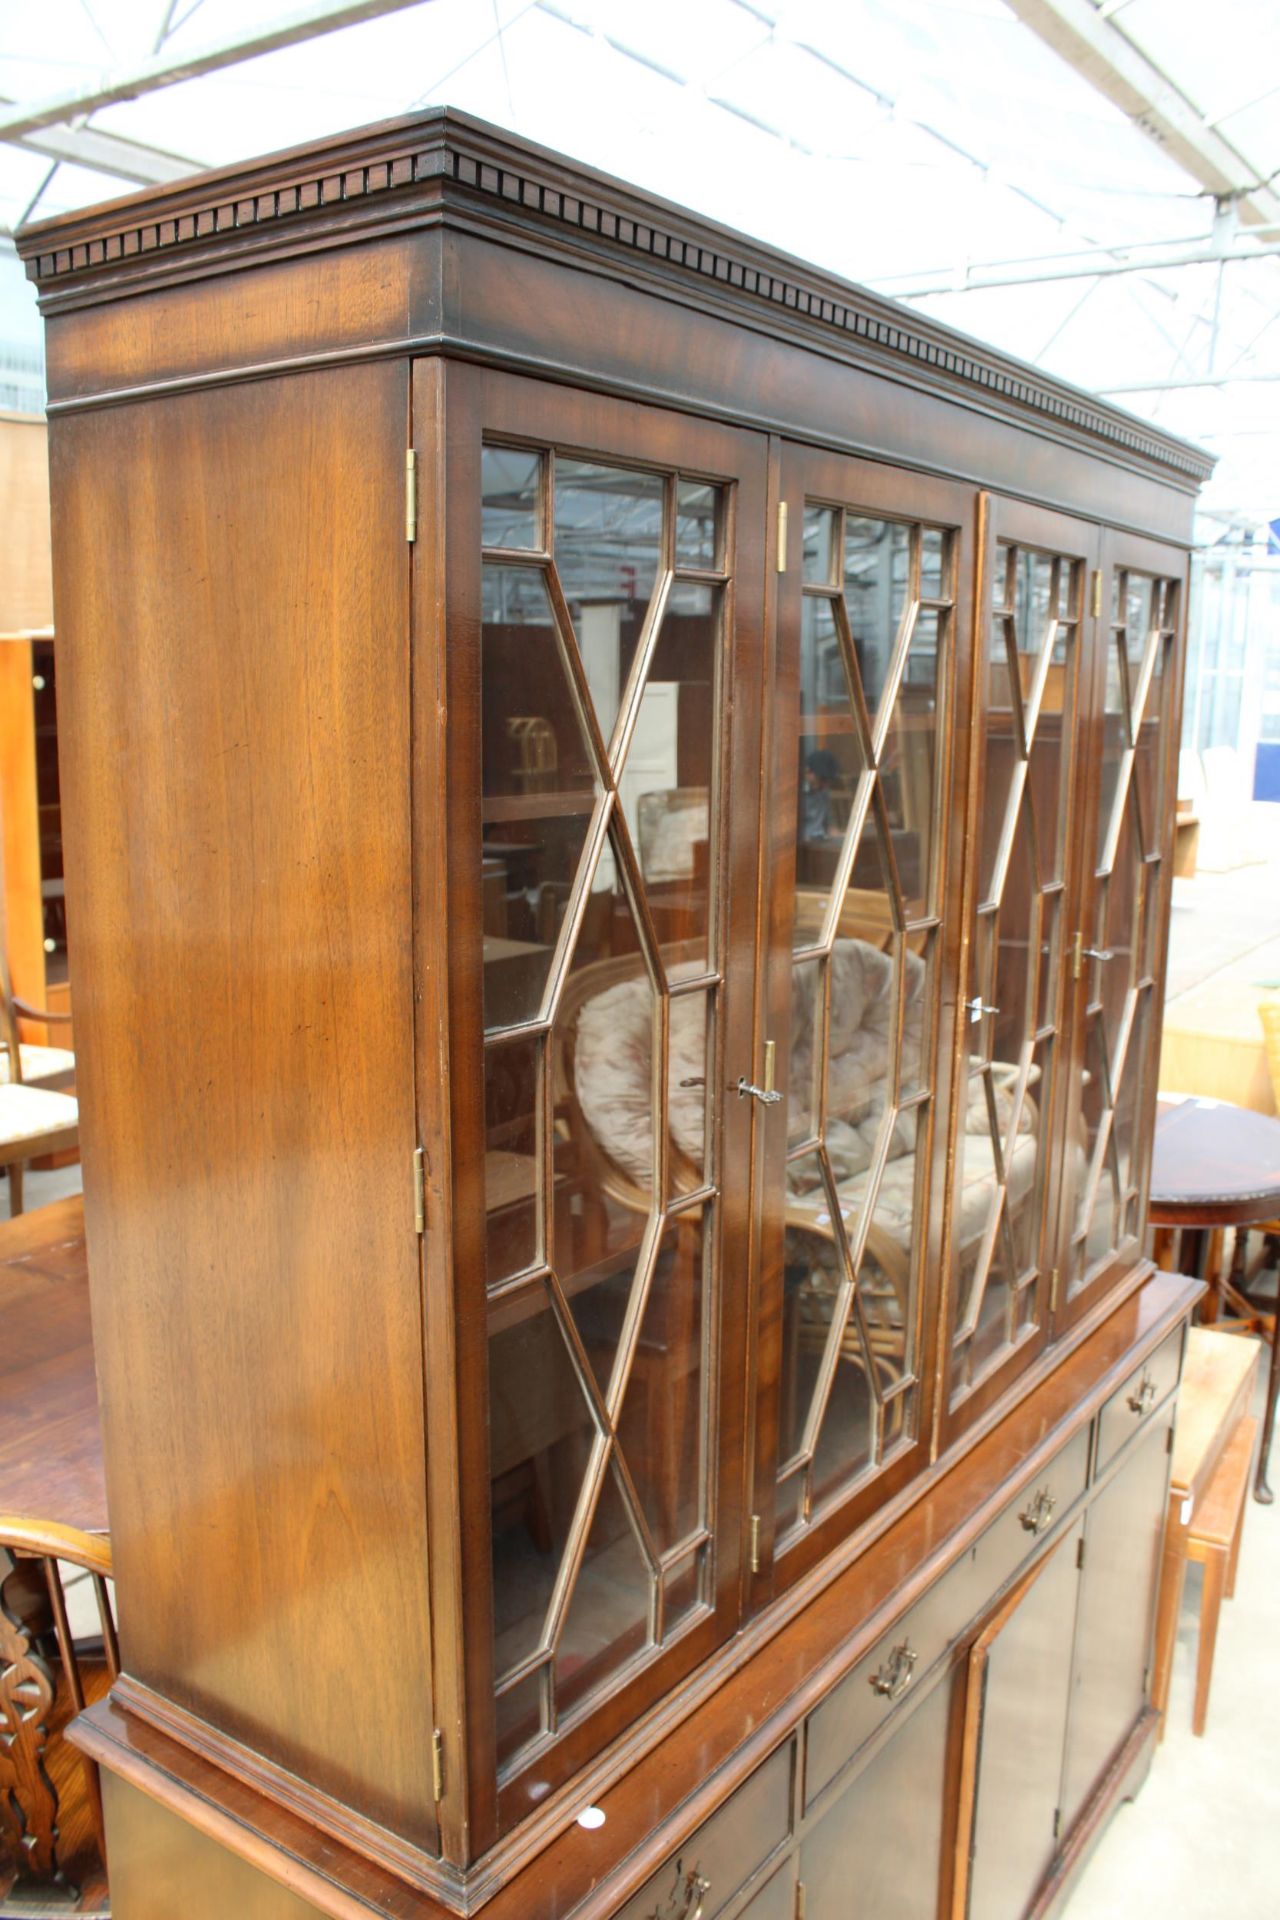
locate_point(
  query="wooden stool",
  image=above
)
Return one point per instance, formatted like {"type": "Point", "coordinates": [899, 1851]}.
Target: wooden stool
{"type": "Point", "coordinates": [1213, 1539]}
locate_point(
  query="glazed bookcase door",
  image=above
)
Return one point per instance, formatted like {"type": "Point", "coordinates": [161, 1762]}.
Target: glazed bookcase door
{"type": "Point", "coordinates": [1033, 616]}
{"type": "Point", "coordinates": [1120, 934]}
{"type": "Point", "coordinates": [611, 598]}
{"type": "Point", "coordinates": [862, 857]}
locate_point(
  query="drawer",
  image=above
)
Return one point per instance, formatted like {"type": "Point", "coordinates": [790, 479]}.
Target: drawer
{"type": "Point", "coordinates": [860, 1704]}
{"type": "Point", "coordinates": [1131, 1406]}
{"type": "Point", "coordinates": [727, 1850]}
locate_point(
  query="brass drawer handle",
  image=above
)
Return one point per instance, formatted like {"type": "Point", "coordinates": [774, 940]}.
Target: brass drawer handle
{"type": "Point", "coordinates": [1037, 1516]}
{"type": "Point", "coordinates": [897, 1673]}
{"type": "Point", "coordinates": [692, 1889]}
{"type": "Point", "coordinates": [1145, 1398]}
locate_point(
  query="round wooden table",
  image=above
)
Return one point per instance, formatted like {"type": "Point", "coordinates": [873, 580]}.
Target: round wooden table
{"type": "Point", "coordinates": [1215, 1165]}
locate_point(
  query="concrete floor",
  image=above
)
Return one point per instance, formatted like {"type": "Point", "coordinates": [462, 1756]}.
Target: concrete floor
{"type": "Point", "coordinates": [1202, 1839]}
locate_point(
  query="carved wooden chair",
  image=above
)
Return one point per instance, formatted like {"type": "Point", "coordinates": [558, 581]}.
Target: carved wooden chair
{"type": "Point", "coordinates": [51, 1839]}
{"type": "Point", "coordinates": [35, 1116]}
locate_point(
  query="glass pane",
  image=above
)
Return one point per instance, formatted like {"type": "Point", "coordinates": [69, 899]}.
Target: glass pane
{"type": "Point", "coordinates": [1131, 1104]}
{"type": "Point", "coordinates": [608, 549]}
{"type": "Point", "coordinates": [699, 525]}
{"type": "Point", "coordinates": [518, 1714]}
{"type": "Point", "coordinates": [831, 764]}
{"type": "Point", "coordinates": [511, 1157]}
{"type": "Point", "coordinates": [539, 785]}
{"type": "Point", "coordinates": [666, 782]}
{"type": "Point", "coordinates": [689, 1074]}
{"type": "Point", "coordinates": [935, 581]}
{"type": "Point", "coordinates": [846, 1440]}
{"type": "Point", "coordinates": [682, 1588]}
{"type": "Point", "coordinates": [819, 545]}
{"type": "Point", "coordinates": [662, 1426]}
{"type": "Point", "coordinates": [602, 1065]}
{"type": "Point", "coordinates": [540, 1441]}
{"type": "Point", "coordinates": [808, 982]}
{"type": "Point", "coordinates": [611, 1613]}
{"type": "Point", "coordinates": [877, 574]}
{"type": "Point", "coordinates": [908, 762]}
{"type": "Point", "coordinates": [510, 490]}
{"type": "Point", "coordinates": [1153, 731]}
{"type": "Point", "coordinates": [1097, 1204]}
{"type": "Point", "coordinates": [1115, 739]}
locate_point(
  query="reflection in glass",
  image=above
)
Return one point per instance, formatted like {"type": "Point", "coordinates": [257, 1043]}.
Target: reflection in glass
{"type": "Point", "coordinates": [539, 784]}
{"type": "Point", "coordinates": [820, 525]}
{"type": "Point", "coordinates": [541, 1435]}
{"type": "Point", "coordinates": [511, 503]}
{"type": "Point", "coordinates": [511, 1157]}
{"type": "Point", "coordinates": [608, 549]}
{"type": "Point", "coordinates": [662, 1424]}
{"type": "Point", "coordinates": [877, 576]}
{"type": "Point", "coordinates": [611, 1616]}
{"type": "Point", "coordinates": [699, 525]}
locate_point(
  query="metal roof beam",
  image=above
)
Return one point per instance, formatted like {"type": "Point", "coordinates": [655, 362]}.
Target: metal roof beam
{"type": "Point", "coordinates": [170, 68]}
{"type": "Point", "coordinates": [105, 153]}
{"type": "Point", "coordinates": [979, 279]}
{"type": "Point", "coordinates": [1104, 55]}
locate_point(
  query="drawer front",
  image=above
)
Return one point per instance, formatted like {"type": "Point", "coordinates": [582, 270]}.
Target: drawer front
{"type": "Point", "coordinates": [719, 1859]}
{"type": "Point", "coordinates": [1131, 1406]}
{"type": "Point", "coordinates": [860, 1704]}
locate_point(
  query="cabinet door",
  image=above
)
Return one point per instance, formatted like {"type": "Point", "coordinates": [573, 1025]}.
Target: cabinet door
{"type": "Point", "coordinates": [882, 1847]}
{"type": "Point", "coordinates": [1016, 1722]}
{"type": "Point", "coordinates": [1119, 944]}
{"type": "Point", "coordinates": [1032, 597]}
{"type": "Point", "coordinates": [603, 668]}
{"type": "Point", "coordinates": [862, 863]}
{"type": "Point", "coordinates": [1124, 1535]}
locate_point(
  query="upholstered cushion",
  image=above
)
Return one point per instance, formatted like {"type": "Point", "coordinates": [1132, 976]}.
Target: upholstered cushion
{"type": "Point", "coordinates": [895, 1201]}
{"type": "Point", "coordinates": [27, 1113]}
{"type": "Point", "coordinates": [612, 1073]}
{"type": "Point", "coordinates": [39, 1064]}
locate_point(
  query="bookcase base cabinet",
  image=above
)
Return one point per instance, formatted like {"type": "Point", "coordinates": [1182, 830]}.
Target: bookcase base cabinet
{"type": "Point", "coordinates": [634, 782]}
{"type": "Point", "coordinates": [962, 1763]}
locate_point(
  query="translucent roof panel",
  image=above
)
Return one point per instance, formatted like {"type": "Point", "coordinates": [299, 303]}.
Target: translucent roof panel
{"type": "Point", "coordinates": [939, 150]}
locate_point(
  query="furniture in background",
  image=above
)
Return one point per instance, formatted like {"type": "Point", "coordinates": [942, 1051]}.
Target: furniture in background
{"type": "Point", "coordinates": [1213, 1541]}
{"type": "Point", "coordinates": [52, 1845]}
{"type": "Point", "coordinates": [35, 1117]}
{"type": "Point", "coordinates": [1216, 1167]}
{"type": "Point", "coordinates": [1213, 1043]}
{"type": "Point", "coordinates": [751, 1403]}
{"type": "Point", "coordinates": [50, 1463]}
{"type": "Point", "coordinates": [1217, 1390]}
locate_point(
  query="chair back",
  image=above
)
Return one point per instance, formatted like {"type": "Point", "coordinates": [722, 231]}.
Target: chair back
{"type": "Point", "coordinates": [51, 1834]}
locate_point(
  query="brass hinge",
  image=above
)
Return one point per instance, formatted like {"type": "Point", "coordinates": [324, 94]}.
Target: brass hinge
{"type": "Point", "coordinates": [419, 1190]}
{"type": "Point", "coordinates": [1095, 590]}
{"type": "Point", "coordinates": [410, 495]}
{"type": "Point", "coordinates": [1055, 1282]}
{"type": "Point", "coordinates": [1080, 1551]}
{"type": "Point", "coordinates": [782, 536]}
{"type": "Point", "coordinates": [1077, 954]}
{"type": "Point", "coordinates": [755, 1543]}
{"type": "Point", "coordinates": [1168, 1438]}
{"type": "Point", "coordinates": [801, 1902]}
{"type": "Point", "coordinates": [437, 1764]}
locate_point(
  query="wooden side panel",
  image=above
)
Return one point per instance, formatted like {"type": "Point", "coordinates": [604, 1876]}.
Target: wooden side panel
{"type": "Point", "coordinates": [161, 1867]}
{"type": "Point", "coordinates": [234, 679]}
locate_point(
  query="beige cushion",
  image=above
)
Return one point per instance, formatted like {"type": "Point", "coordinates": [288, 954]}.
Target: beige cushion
{"type": "Point", "coordinates": [28, 1113]}
{"type": "Point", "coordinates": [39, 1063]}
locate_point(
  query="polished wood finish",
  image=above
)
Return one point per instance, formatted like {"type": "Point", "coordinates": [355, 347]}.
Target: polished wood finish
{"type": "Point", "coordinates": [1217, 1166]}
{"type": "Point", "coordinates": [269, 787]}
{"type": "Point", "coordinates": [1217, 1391]}
{"type": "Point", "coordinates": [381, 851]}
{"type": "Point", "coordinates": [50, 1432]}
{"type": "Point", "coordinates": [1214, 1541]}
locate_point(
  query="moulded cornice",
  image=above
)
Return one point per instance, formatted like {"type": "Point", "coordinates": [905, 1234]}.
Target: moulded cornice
{"type": "Point", "coordinates": [419, 170]}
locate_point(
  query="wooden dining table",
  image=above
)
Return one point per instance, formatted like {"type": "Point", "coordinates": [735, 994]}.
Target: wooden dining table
{"type": "Point", "coordinates": [50, 1433]}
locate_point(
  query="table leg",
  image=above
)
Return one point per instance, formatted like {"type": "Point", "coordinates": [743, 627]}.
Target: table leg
{"type": "Point", "coordinates": [1173, 1573]}
{"type": "Point", "coordinates": [1261, 1491]}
